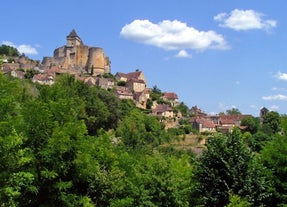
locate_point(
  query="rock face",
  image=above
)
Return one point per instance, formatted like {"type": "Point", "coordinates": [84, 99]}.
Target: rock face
{"type": "Point", "coordinates": [77, 56]}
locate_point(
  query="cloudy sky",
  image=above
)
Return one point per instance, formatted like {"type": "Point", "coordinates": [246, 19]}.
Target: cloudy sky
{"type": "Point", "coordinates": [216, 54]}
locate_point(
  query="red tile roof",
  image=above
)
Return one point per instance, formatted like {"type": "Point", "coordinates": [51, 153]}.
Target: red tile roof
{"type": "Point", "coordinates": [170, 95]}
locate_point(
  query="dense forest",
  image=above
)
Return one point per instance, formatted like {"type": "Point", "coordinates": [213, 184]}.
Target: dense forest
{"type": "Point", "coordinates": [70, 144]}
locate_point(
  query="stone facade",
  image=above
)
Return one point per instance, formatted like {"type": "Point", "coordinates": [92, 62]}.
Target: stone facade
{"type": "Point", "coordinates": [77, 56]}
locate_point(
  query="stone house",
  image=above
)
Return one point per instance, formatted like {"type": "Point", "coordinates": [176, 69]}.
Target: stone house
{"type": "Point", "coordinates": [90, 81]}
{"type": "Point", "coordinates": [171, 97]}
{"type": "Point", "coordinates": [17, 74]}
{"type": "Point", "coordinates": [136, 85]}
{"type": "Point", "coordinates": [203, 124]}
{"type": "Point", "coordinates": [163, 110]}
{"type": "Point", "coordinates": [124, 93]}
{"type": "Point", "coordinates": [44, 79]}
{"type": "Point", "coordinates": [132, 75]}
{"type": "Point", "coordinates": [105, 83]}
{"type": "Point", "coordinates": [221, 123]}
{"type": "Point", "coordinates": [141, 98]}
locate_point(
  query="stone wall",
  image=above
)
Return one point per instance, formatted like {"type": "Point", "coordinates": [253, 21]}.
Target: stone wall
{"type": "Point", "coordinates": [76, 55]}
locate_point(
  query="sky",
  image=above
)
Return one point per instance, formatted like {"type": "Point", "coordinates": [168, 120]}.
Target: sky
{"type": "Point", "coordinates": [214, 54]}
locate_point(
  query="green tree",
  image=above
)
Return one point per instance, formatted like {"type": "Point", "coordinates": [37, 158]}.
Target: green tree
{"type": "Point", "coordinates": [182, 108]}
{"type": "Point", "coordinates": [17, 183]}
{"type": "Point", "coordinates": [138, 130]}
{"type": "Point", "coordinates": [274, 158]}
{"type": "Point", "coordinates": [233, 111]}
{"type": "Point", "coordinates": [227, 166]}
{"type": "Point", "coordinates": [251, 123]}
{"type": "Point", "coordinates": [236, 201]}
{"type": "Point", "coordinates": [271, 121]}
{"type": "Point", "coordinates": [8, 51]}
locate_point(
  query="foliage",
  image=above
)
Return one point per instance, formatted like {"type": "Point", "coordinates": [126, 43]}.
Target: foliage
{"type": "Point", "coordinates": [8, 51]}
{"type": "Point", "coordinates": [70, 144]}
{"type": "Point", "coordinates": [182, 108]}
{"type": "Point", "coordinates": [236, 201]}
{"type": "Point", "coordinates": [121, 83]}
{"type": "Point", "coordinates": [271, 121]}
{"type": "Point", "coordinates": [138, 130]}
{"type": "Point", "coordinates": [227, 166]}
{"type": "Point", "coordinates": [251, 123]}
{"type": "Point", "coordinates": [274, 157]}
{"type": "Point", "coordinates": [233, 111]}
{"type": "Point", "coordinates": [257, 141]}
{"type": "Point", "coordinates": [29, 74]}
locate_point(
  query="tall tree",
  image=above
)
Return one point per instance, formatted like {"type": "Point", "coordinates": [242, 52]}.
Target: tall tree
{"type": "Point", "coordinates": [227, 166]}
{"type": "Point", "coordinates": [271, 121]}
{"type": "Point", "coordinates": [274, 157]}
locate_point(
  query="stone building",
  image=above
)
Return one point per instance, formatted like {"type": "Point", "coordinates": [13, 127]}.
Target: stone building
{"type": "Point", "coordinates": [75, 55]}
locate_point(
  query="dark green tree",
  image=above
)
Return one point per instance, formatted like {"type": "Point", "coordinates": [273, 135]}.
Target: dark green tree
{"type": "Point", "coordinates": [251, 123]}
{"type": "Point", "coordinates": [9, 51]}
{"type": "Point", "coordinates": [233, 111]}
{"type": "Point", "coordinates": [228, 167]}
{"type": "Point", "coordinates": [274, 158]}
{"type": "Point", "coordinates": [271, 121]}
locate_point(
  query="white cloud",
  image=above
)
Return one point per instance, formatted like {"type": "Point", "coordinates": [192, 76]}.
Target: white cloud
{"type": "Point", "coordinates": [274, 108]}
{"type": "Point", "coordinates": [183, 54]}
{"type": "Point", "coordinates": [281, 76]}
{"type": "Point", "coordinates": [26, 49]}
{"type": "Point", "coordinates": [278, 89]}
{"type": "Point", "coordinates": [278, 97]}
{"type": "Point", "coordinates": [224, 107]}
{"type": "Point", "coordinates": [244, 20]}
{"type": "Point", "coordinates": [172, 35]}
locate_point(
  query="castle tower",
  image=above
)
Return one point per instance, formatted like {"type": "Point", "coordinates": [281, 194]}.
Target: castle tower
{"type": "Point", "coordinates": [98, 61]}
{"type": "Point", "coordinates": [73, 39]}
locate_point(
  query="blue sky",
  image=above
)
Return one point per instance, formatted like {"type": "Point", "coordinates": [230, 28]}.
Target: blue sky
{"type": "Point", "coordinates": [216, 54]}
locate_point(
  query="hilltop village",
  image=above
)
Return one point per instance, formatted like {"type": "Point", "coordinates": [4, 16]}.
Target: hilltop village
{"type": "Point", "coordinates": [92, 66]}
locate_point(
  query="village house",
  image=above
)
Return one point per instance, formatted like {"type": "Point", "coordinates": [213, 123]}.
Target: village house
{"type": "Point", "coordinates": [138, 75]}
{"type": "Point", "coordinates": [171, 97]}
{"type": "Point", "coordinates": [17, 74]}
{"type": "Point", "coordinates": [105, 83]}
{"type": "Point", "coordinates": [137, 85]}
{"type": "Point", "coordinates": [124, 93]}
{"type": "Point", "coordinates": [44, 79]}
{"type": "Point", "coordinates": [220, 123]}
{"type": "Point", "coordinates": [141, 98]}
{"type": "Point", "coordinates": [203, 124]}
{"type": "Point", "coordinates": [163, 110]}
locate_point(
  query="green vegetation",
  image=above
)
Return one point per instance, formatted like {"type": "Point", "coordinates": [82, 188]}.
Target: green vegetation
{"type": "Point", "coordinates": [9, 51]}
{"type": "Point", "coordinates": [70, 144]}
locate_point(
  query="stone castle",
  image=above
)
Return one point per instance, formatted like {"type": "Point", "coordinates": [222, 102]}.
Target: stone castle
{"type": "Point", "coordinates": [79, 57]}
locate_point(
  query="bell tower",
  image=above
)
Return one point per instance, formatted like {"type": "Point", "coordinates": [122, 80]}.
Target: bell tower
{"type": "Point", "coordinates": [73, 39]}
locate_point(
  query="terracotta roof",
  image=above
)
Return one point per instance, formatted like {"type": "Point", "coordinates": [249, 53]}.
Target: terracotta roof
{"type": "Point", "coordinates": [162, 108]}
{"type": "Point", "coordinates": [170, 95]}
{"type": "Point", "coordinates": [135, 80]}
{"type": "Point", "coordinates": [131, 75]}
{"type": "Point", "coordinates": [208, 124]}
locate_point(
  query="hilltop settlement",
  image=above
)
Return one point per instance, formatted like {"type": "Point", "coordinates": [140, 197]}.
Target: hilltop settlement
{"type": "Point", "coordinates": [91, 65]}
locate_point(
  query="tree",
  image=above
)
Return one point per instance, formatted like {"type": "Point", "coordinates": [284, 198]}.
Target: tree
{"type": "Point", "coordinates": [274, 158]}
{"type": "Point", "coordinates": [182, 108]}
{"type": "Point", "coordinates": [233, 111]}
{"type": "Point", "coordinates": [251, 123]}
{"type": "Point", "coordinates": [271, 121]}
{"type": "Point", "coordinates": [236, 201]}
{"type": "Point", "coordinates": [227, 166]}
{"type": "Point", "coordinates": [9, 51]}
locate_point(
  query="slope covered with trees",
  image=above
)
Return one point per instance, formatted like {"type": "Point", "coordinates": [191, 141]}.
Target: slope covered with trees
{"type": "Point", "coordinates": [70, 144]}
